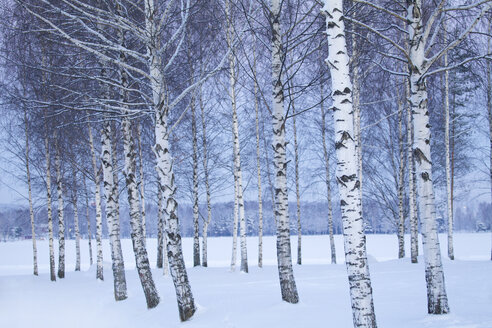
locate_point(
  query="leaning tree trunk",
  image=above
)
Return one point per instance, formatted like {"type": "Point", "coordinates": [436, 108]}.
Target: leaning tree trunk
{"type": "Point", "coordinates": [437, 301]}
{"type": "Point", "coordinates": [347, 169]}
{"type": "Point", "coordinates": [236, 146]}
{"type": "Point", "coordinates": [49, 209]}
{"type": "Point", "coordinates": [88, 217]}
{"type": "Point", "coordinates": [76, 219]}
{"type": "Point", "coordinates": [138, 240]}
{"type": "Point", "coordinates": [196, 225]}
{"type": "Point", "coordinates": [29, 189]}
{"type": "Point", "coordinates": [281, 210]}
{"type": "Point", "coordinates": [327, 179]}
{"type": "Point", "coordinates": [61, 216]}
{"type": "Point", "coordinates": [99, 271]}
{"type": "Point", "coordinates": [207, 221]}
{"type": "Point", "coordinates": [401, 172]}
{"type": "Point", "coordinates": [118, 266]}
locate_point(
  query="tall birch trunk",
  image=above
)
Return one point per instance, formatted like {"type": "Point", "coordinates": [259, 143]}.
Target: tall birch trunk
{"type": "Point", "coordinates": [196, 225]}
{"type": "Point", "coordinates": [76, 219]}
{"type": "Point", "coordinates": [235, 132]}
{"type": "Point", "coordinates": [99, 270]}
{"type": "Point", "coordinates": [357, 113]}
{"type": "Point", "coordinates": [298, 191]}
{"type": "Point", "coordinates": [184, 296]}
{"type": "Point", "coordinates": [164, 167]}
{"type": "Point", "coordinates": [88, 218]}
{"type": "Point", "coordinates": [61, 212]}
{"type": "Point", "coordinates": [112, 217]}
{"type": "Point", "coordinates": [437, 302]}
{"type": "Point", "coordinates": [414, 223]}
{"type": "Point", "coordinates": [29, 189]}
{"type": "Point", "coordinates": [449, 189]}
{"type": "Point", "coordinates": [207, 221]}
{"type": "Point", "coordinates": [326, 158]}
{"type": "Point", "coordinates": [138, 240]}
{"type": "Point", "coordinates": [141, 182]}
{"type": "Point", "coordinates": [401, 187]}
{"type": "Point", "coordinates": [347, 168]}
{"type": "Point", "coordinates": [258, 165]}
{"type": "Point", "coordinates": [234, 228]}
{"type": "Point", "coordinates": [281, 209]}
{"type": "Point", "coordinates": [48, 205]}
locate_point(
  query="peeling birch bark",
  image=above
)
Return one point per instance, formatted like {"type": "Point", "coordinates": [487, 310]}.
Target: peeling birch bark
{"type": "Point", "coordinates": [347, 168]}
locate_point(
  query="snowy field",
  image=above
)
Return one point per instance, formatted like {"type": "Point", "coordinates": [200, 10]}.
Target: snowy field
{"type": "Point", "coordinates": [233, 299]}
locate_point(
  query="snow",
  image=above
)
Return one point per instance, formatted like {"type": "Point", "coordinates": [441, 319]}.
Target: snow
{"type": "Point", "coordinates": [234, 299]}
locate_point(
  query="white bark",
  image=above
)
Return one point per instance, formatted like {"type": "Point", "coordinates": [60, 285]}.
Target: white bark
{"type": "Point", "coordinates": [99, 270]}
{"type": "Point", "coordinates": [61, 216]}
{"type": "Point", "coordinates": [138, 240]}
{"type": "Point", "coordinates": [29, 189]}
{"type": "Point", "coordinates": [449, 187]}
{"type": "Point", "coordinates": [327, 179]}
{"type": "Point", "coordinates": [160, 228]}
{"type": "Point", "coordinates": [437, 302]}
{"type": "Point", "coordinates": [347, 168]}
{"type": "Point", "coordinates": [298, 191]}
{"type": "Point", "coordinates": [112, 216]}
{"type": "Point", "coordinates": [401, 167]}
{"type": "Point", "coordinates": [141, 182]}
{"type": "Point", "coordinates": [87, 216]}
{"type": "Point", "coordinates": [76, 219]}
{"type": "Point", "coordinates": [281, 208]}
{"type": "Point", "coordinates": [49, 209]}
{"type": "Point", "coordinates": [236, 146]}
{"type": "Point", "coordinates": [234, 228]}
{"type": "Point", "coordinates": [206, 222]}
{"type": "Point", "coordinates": [412, 200]}
{"type": "Point", "coordinates": [196, 226]}
{"type": "Point", "coordinates": [258, 166]}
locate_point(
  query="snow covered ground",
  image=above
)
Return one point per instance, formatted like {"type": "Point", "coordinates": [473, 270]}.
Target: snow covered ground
{"type": "Point", "coordinates": [233, 299]}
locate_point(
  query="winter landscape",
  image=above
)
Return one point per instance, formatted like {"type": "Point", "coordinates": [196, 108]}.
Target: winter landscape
{"type": "Point", "coordinates": [246, 163]}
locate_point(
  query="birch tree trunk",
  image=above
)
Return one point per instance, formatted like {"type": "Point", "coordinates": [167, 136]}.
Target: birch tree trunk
{"type": "Point", "coordinates": [29, 189]}
{"type": "Point", "coordinates": [118, 265]}
{"type": "Point", "coordinates": [327, 179]}
{"type": "Point", "coordinates": [234, 227]}
{"type": "Point", "coordinates": [298, 192]}
{"type": "Point", "coordinates": [284, 260]}
{"type": "Point", "coordinates": [414, 224]}
{"type": "Point", "coordinates": [196, 226]}
{"type": "Point", "coordinates": [449, 190]}
{"type": "Point", "coordinates": [401, 187]}
{"type": "Point", "coordinates": [164, 167]}
{"type": "Point", "coordinates": [49, 209]}
{"type": "Point", "coordinates": [61, 216]}
{"type": "Point", "coordinates": [138, 240]}
{"type": "Point", "coordinates": [258, 166]}
{"type": "Point", "coordinates": [89, 229]}
{"type": "Point", "coordinates": [357, 114]}
{"type": "Point", "coordinates": [347, 168]}
{"type": "Point", "coordinates": [207, 185]}
{"type": "Point", "coordinates": [141, 182]}
{"type": "Point", "coordinates": [437, 302]}
{"type": "Point", "coordinates": [76, 219]}
{"type": "Point", "coordinates": [235, 132]}
{"type": "Point", "coordinates": [99, 270]}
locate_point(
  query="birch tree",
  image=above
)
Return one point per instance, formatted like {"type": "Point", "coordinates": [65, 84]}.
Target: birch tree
{"type": "Point", "coordinates": [347, 172]}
